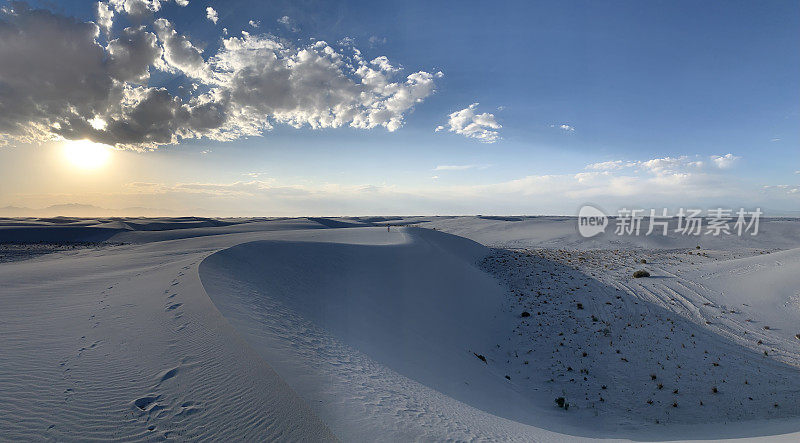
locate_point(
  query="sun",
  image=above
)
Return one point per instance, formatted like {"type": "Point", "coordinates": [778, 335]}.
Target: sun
{"type": "Point", "coordinates": [86, 155]}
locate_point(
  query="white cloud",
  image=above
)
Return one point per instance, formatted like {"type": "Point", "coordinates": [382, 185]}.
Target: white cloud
{"type": "Point", "coordinates": [783, 189]}
{"type": "Point", "coordinates": [374, 40]}
{"type": "Point", "coordinates": [287, 22]}
{"type": "Point", "coordinates": [724, 161]}
{"type": "Point", "coordinates": [454, 167]}
{"type": "Point", "coordinates": [629, 186]}
{"type": "Point", "coordinates": [254, 23]}
{"type": "Point", "coordinates": [564, 127]}
{"type": "Point", "coordinates": [383, 64]}
{"type": "Point", "coordinates": [212, 15]}
{"type": "Point", "coordinates": [666, 166]}
{"type": "Point", "coordinates": [250, 84]}
{"type": "Point", "coordinates": [105, 16]}
{"type": "Point", "coordinates": [139, 8]}
{"type": "Point", "coordinates": [608, 165]}
{"type": "Point", "coordinates": [267, 80]}
{"type": "Point", "coordinates": [467, 122]}
{"type": "Point", "coordinates": [179, 52]}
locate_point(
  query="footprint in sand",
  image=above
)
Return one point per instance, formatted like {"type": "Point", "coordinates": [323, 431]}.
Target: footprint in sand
{"type": "Point", "coordinates": [166, 375]}
{"type": "Point", "coordinates": [173, 306]}
{"type": "Point", "coordinates": [147, 404]}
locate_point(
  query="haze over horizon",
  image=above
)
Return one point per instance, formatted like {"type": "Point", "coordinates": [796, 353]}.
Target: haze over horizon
{"type": "Point", "coordinates": [343, 108]}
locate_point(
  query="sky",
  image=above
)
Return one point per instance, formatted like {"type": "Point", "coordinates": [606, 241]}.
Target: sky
{"type": "Point", "coordinates": [289, 108]}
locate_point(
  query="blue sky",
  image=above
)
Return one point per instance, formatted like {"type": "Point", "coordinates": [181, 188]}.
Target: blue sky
{"type": "Point", "coordinates": [629, 81]}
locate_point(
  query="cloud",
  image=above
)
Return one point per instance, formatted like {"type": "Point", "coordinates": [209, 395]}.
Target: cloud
{"type": "Point", "coordinates": [383, 64]}
{"type": "Point", "coordinates": [783, 189]}
{"type": "Point", "coordinates": [374, 41]}
{"type": "Point", "coordinates": [482, 127]}
{"type": "Point", "coordinates": [685, 186]}
{"type": "Point", "coordinates": [179, 52]}
{"type": "Point", "coordinates": [458, 167]}
{"type": "Point", "coordinates": [34, 97]}
{"type": "Point", "coordinates": [234, 189]}
{"type": "Point", "coordinates": [138, 9]}
{"type": "Point", "coordinates": [248, 85]}
{"type": "Point", "coordinates": [608, 165]}
{"type": "Point", "coordinates": [212, 15]}
{"type": "Point", "coordinates": [132, 54]}
{"type": "Point", "coordinates": [724, 161]}
{"type": "Point", "coordinates": [565, 127]}
{"type": "Point", "coordinates": [664, 166]}
{"type": "Point", "coordinates": [288, 23]}
{"type": "Point", "coordinates": [105, 16]}
{"type": "Point", "coordinates": [254, 23]}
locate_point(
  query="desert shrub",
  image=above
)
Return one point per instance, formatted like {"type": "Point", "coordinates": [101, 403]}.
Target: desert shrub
{"type": "Point", "coordinates": [641, 273]}
{"type": "Point", "coordinates": [525, 314]}
{"type": "Point", "coordinates": [642, 261]}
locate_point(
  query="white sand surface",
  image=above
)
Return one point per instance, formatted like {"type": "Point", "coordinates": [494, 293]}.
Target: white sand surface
{"type": "Point", "coordinates": [309, 329]}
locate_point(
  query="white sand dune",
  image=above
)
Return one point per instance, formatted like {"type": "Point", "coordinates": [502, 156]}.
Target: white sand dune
{"type": "Point", "coordinates": [323, 329]}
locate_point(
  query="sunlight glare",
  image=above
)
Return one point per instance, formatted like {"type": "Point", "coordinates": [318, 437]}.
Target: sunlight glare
{"type": "Point", "coordinates": [86, 155]}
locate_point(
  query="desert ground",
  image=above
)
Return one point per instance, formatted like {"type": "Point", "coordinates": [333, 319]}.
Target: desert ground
{"type": "Point", "coordinates": [395, 329]}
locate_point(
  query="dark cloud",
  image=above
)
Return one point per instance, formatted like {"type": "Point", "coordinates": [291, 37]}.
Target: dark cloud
{"type": "Point", "coordinates": [52, 68]}
{"type": "Point", "coordinates": [58, 78]}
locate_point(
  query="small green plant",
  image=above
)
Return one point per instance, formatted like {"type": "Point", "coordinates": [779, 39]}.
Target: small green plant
{"type": "Point", "coordinates": [641, 273]}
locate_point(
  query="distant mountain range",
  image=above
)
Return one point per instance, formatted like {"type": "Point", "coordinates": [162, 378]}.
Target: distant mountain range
{"type": "Point", "coordinates": [80, 210]}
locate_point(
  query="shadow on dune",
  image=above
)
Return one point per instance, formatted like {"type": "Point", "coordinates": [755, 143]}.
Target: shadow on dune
{"type": "Point", "coordinates": [423, 310]}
